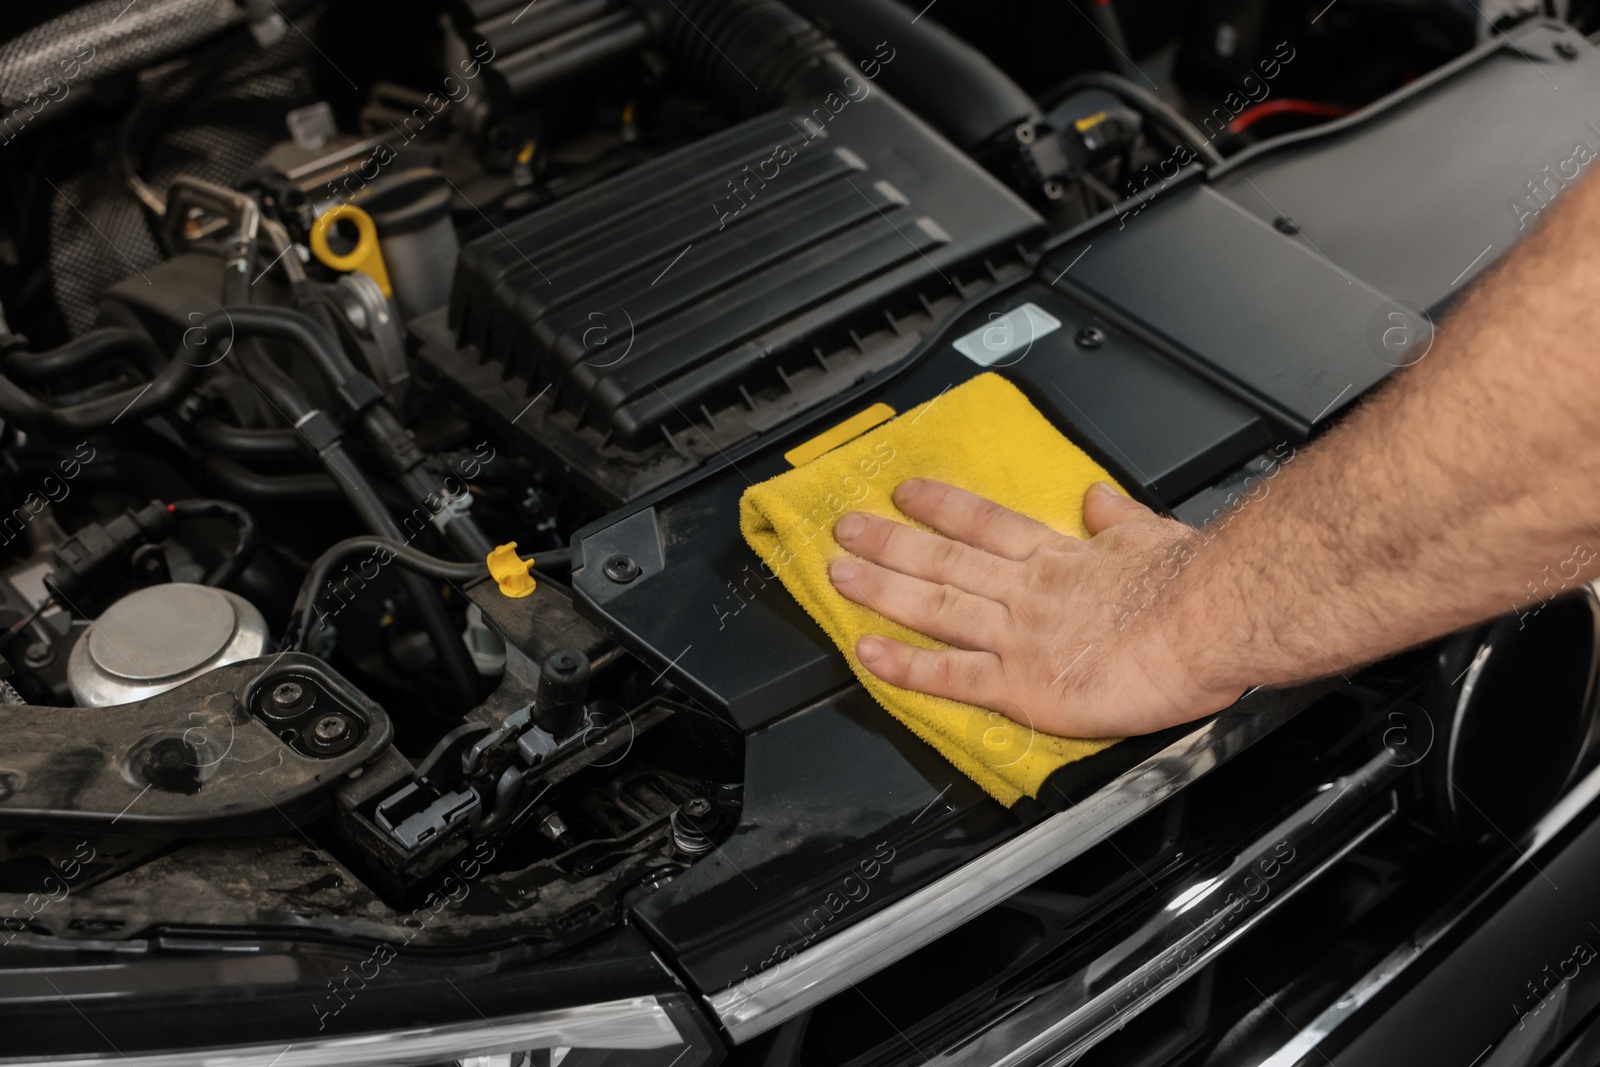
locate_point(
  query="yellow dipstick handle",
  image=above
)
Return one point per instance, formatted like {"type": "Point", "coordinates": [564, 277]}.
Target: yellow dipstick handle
{"type": "Point", "coordinates": [511, 571]}
{"type": "Point", "coordinates": [366, 257]}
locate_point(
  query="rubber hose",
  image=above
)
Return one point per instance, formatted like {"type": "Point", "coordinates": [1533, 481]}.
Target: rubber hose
{"type": "Point", "coordinates": [952, 85]}
{"type": "Point", "coordinates": [81, 353]}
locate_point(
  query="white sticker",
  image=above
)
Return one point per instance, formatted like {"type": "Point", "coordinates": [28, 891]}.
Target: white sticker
{"type": "Point", "coordinates": [1007, 338]}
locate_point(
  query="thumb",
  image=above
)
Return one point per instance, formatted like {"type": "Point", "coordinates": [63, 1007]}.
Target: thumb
{"type": "Point", "coordinates": [1104, 507]}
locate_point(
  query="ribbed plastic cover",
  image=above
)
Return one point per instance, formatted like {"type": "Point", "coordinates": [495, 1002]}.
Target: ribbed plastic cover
{"type": "Point", "coordinates": [702, 281]}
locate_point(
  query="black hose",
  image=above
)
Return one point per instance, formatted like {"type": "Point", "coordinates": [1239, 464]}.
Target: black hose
{"type": "Point", "coordinates": [170, 386]}
{"type": "Point", "coordinates": [244, 548]}
{"type": "Point", "coordinates": [309, 331]}
{"type": "Point", "coordinates": [1162, 113]}
{"type": "Point", "coordinates": [752, 54]}
{"type": "Point", "coordinates": [303, 616]}
{"type": "Point", "coordinates": [81, 353]}
{"type": "Point", "coordinates": [239, 480]}
{"type": "Point", "coordinates": [219, 436]}
{"type": "Point", "coordinates": [951, 84]}
{"type": "Point", "coordinates": [291, 402]}
{"type": "Point", "coordinates": [1105, 19]}
{"type": "Point", "coordinates": [295, 328]}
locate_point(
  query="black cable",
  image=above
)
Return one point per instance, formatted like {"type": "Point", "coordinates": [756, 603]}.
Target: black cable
{"type": "Point", "coordinates": [1165, 115]}
{"type": "Point", "coordinates": [244, 548]}
{"type": "Point", "coordinates": [553, 560]}
{"type": "Point", "coordinates": [303, 616]}
{"type": "Point", "coordinates": [292, 403]}
{"type": "Point", "coordinates": [382, 429]}
{"type": "Point", "coordinates": [25, 622]}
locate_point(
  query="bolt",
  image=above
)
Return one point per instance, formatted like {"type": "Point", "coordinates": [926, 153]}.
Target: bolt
{"type": "Point", "coordinates": [1284, 224]}
{"type": "Point", "coordinates": [1025, 133]}
{"type": "Point", "coordinates": [287, 696]}
{"type": "Point", "coordinates": [620, 568]}
{"type": "Point", "coordinates": [698, 807]}
{"type": "Point", "coordinates": [331, 729]}
{"type": "Point", "coordinates": [692, 826]}
{"type": "Point", "coordinates": [1090, 337]}
{"type": "Point", "coordinates": [1566, 49]}
{"type": "Point", "coordinates": [37, 654]}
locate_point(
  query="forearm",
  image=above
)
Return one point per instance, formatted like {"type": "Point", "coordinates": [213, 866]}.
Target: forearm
{"type": "Point", "coordinates": [1467, 487]}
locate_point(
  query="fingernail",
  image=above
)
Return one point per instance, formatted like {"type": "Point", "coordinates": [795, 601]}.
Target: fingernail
{"type": "Point", "coordinates": [844, 570]}
{"type": "Point", "coordinates": [869, 649]}
{"type": "Point", "coordinates": [908, 488]}
{"type": "Point", "coordinates": [850, 526]}
{"type": "Point", "coordinates": [1102, 489]}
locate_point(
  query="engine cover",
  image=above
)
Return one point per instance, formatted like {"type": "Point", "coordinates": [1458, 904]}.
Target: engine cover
{"type": "Point", "coordinates": [650, 323]}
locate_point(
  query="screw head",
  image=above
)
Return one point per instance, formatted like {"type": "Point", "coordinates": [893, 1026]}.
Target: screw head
{"type": "Point", "coordinates": [288, 695]}
{"type": "Point", "coordinates": [331, 729]}
{"type": "Point", "coordinates": [620, 568]}
{"type": "Point", "coordinates": [1090, 337]}
{"type": "Point", "coordinates": [1284, 224]}
{"type": "Point", "coordinates": [1566, 49]}
{"type": "Point", "coordinates": [697, 807]}
{"type": "Point", "coordinates": [37, 654]}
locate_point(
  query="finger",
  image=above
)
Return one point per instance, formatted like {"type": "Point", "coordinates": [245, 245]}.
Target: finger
{"type": "Point", "coordinates": [1104, 507]}
{"type": "Point", "coordinates": [970, 677]}
{"type": "Point", "coordinates": [951, 615]}
{"type": "Point", "coordinates": [922, 554]}
{"type": "Point", "coordinates": [973, 520]}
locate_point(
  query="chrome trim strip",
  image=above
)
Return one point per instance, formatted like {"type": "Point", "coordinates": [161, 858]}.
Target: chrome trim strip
{"type": "Point", "coordinates": [638, 1023]}
{"type": "Point", "coordinates": [781, 992]}
{"type": "Point", "coordinates": [1069, 1016]}
{"type": "Point", "coordinates": [1403, 956]}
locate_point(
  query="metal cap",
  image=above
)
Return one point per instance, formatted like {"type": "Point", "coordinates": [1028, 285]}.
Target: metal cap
{"type": "Point", "coordinates": [157, 638]}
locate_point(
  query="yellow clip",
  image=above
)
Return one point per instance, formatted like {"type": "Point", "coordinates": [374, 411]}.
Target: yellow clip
{"type": "Point", "coordinates": [511, 571]}
{"type": "Point", "coordinates": [848, 430]}
{"type": "Point", "coordinates": [1084, 125]}
{"type": "Point", "coordinates": [366, 257]}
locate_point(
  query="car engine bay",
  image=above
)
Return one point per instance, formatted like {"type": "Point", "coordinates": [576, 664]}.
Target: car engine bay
{"type": "Point", "coordinates": [311, 308]}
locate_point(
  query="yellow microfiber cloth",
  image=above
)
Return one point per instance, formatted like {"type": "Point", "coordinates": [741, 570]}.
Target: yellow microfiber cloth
{"type": "Point", "coordinates": [985, 437]}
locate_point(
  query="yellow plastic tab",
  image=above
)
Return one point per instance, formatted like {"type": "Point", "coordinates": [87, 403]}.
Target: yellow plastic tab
{"type": "Point", "coordinates": [849, 429]}
{"type": "Point", "coordinates": [1089, 122]}
{"type": "Point", "coordinates": [511, 571]}
{"type": "Point", "coordinates": [366, 257]}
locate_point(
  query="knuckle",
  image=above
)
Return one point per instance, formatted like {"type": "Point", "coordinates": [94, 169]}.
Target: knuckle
{"type": "Point", "coordinates": [947, 600]}
{"type": "Point", "coordinates": [988, 512]}
{"type": "Point", "coordinates": [938, 494]}
{"type": "Point", "coordinates": [973, 673]}
{"type": "Point", "coordinates": [1050, 561]}
{"type": "Point", "coordinates": [878, 535]}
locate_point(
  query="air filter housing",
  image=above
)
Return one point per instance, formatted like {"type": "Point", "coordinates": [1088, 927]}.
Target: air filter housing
{"type": "Point", "coordinates": [663, 316]}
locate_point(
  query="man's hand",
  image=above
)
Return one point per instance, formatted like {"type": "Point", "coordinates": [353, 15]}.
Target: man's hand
{"type": "Point", "coordinates": [1040, 622]}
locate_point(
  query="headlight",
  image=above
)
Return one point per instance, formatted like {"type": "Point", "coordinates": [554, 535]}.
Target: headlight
{"type": "Point", "coordinates": [641, 1024]}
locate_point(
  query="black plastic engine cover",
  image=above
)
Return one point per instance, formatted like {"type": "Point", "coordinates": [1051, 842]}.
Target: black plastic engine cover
{"type": "Point", "coordinates": [645, 325]}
